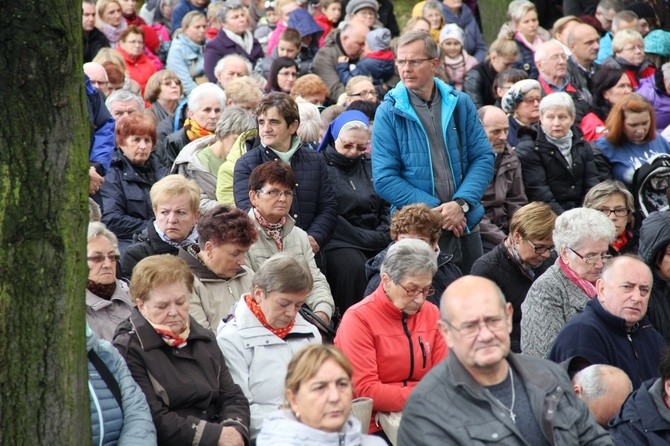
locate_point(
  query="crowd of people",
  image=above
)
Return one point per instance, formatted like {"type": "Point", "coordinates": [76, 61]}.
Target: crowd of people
{"type": "Point", "coordinates": [310, 226]}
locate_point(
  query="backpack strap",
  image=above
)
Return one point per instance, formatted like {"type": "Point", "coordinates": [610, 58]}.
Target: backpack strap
{"type": "Point", "coordinates": [106, 376]}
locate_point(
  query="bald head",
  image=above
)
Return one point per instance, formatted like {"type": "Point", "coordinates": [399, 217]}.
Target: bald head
{"type": "Point", "coordinates": [604, 389]}
{"type": "Point", "coordinates": [496, 126]}
{"type": "Point", "coordinates": [460, 291]}
{"type": "Point", "coordinates": [624, 288]}
{"type": "Point", "coordinates": [584, 42]}
{"type": "Point", "coordinates": [353, 38]}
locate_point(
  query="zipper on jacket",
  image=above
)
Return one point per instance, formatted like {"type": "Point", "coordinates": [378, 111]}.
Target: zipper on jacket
{"type": "Point", "coordinates": [411, 345]}
{"type": "Point", "coordinates": [632, 346]}
{"type": "Point", "coordinates": [423, 351]}
{"type": "Point", "coordinates": [352, 185]}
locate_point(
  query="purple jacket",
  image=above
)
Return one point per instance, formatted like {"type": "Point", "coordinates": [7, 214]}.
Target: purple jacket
{"type": "Point", "coordinates": [222, 46]}
{"type": "Point", "coordinates": [658, 98]}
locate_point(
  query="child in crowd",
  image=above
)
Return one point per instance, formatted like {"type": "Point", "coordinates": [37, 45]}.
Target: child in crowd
{"type": "Point", "coordinates": [289, 45]}
{"type": "Point", "coordinates": [284, 8]}
{"type": "Point", "coordinates": [376, 62]}
{"type": "Point", "coordinates": [266, 25]}
{"type": "Point", "coordinates": [329, 13]}
{"type": "Point", "coordinates": [456, 61]}
{"type": "Point", "coordinates": [432, 11]}
{"type": "Point", "coordinates": [213, 24]}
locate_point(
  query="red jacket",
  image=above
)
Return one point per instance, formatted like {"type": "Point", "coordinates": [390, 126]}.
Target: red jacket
{"type": "Point", "coordinates": [389, 351]}
{"type": "Point", "coordinates": [325, 23]}
{"type": "Point", "coordinates": [139, 70]}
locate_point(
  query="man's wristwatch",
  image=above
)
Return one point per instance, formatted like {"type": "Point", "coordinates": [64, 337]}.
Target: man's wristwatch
{"type": "Point", "coordinates": [463, 204]}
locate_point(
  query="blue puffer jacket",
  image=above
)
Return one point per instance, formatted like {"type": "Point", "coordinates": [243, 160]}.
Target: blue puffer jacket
{"type": "Point", "coordinates": [474, 41]}
{"type": "Point", "coordinates": [125, 197]}
{"type": "Point", "coordinates": [401, 160]}
{"type": "Point", "coordinates": [314, 207]}
{"type": "Point", "coordinates": [109, 424]}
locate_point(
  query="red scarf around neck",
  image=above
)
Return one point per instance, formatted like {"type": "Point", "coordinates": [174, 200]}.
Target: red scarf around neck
{"type": "Point", "coordinates": [256, 310]}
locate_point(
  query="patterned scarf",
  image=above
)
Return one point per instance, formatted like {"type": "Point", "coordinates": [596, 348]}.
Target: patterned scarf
{"type": "Point", "coordinates": [102, 290]}
{"type": "Point", "coordinates": [272, 229]}
{"type": "Point", "coordinates": [509, 245]}
{"type": "Point", "coordinates": [194, 131]}
{"type": "Point", "coordinates": [585, 285]}
{"type": "Point", "coordinates": [113, 32]}
{"type": "Point", "coordinates": [170, 338]}
{"type": "Point", "coordinates": [256, 310]}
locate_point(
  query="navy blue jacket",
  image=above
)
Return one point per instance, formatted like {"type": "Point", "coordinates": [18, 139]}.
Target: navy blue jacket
{"type": "Point", "coordinates": [643, 419]}
{"type": "Point", "coordinates": [603, 338]}
{"type": "Point", "coordinates": [314, 207]}
{"type": "Point", "coordinates": [125, 196]}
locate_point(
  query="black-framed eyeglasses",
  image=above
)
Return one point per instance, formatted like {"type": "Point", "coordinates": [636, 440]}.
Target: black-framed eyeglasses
{"type": "Point", "coordinates": [100, 258]}
{"type": "Point", "coordinates": [275, 193]}
{"type": "Point", "coordinates": [411, 62]}
{"type": "Point", "coordinates": [539, 249]}
{"type": "Point", "coordinates": [619, 212]}
{"type": "Point", "coordinates": [427, 291]}
{"type": "Point", "coordinates": [472, 329]}
{"type": "Point", "coordinates": [592, 259]}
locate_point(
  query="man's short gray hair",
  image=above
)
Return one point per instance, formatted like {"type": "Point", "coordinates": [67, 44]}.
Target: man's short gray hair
{"type": "Point", "coordinates": [205, 91]}
{"type": "Point", "coordinates": [124, 96]}
{"type": "Point", "coordinates": [429, 46]}
{"type": "Point", "coordinates": [407, 258]}
{"type": "Point", "coordinates": [221, 64]}
{"type": "Point", "coordinates": [577, 226]}
{"type": "Point", "coordinates": [620, 17]}
{"type": "Point", "coordinates": [557, 100]}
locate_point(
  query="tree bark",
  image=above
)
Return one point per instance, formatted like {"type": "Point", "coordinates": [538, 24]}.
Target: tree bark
{"type": "Point", "coordinates": [44, 137]}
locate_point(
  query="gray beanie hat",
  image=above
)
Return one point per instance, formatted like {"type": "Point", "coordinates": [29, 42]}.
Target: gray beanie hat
{"type": "Point", "coordinates": [378, 39]}
{"type": "Point", "coordinates": [356, 5]}
{"type": "Point", "coordinates": [515, 94]}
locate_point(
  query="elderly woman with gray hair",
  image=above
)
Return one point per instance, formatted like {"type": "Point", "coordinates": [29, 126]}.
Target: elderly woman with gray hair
{"type": "Point", "coordinates": [522, 105]}
{"type": "Point", "coordinates": [557, 164]}
{"type": "Point", "coordinates": [391, 336]}
{"type": "Point", "coordinates": [582, 237]}
{"type": "Point", "coordinates": [108, 301]}
{"type": "Point", "coordinates": [201, 159]}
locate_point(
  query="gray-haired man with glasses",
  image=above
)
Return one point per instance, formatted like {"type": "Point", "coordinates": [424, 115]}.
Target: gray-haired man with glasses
{"type": "Point", "coordinates": [483, 393]}
{"type": "Point", "coordinates": [428, 146]}
{"type": "Point", "coordinates": [613, 328]}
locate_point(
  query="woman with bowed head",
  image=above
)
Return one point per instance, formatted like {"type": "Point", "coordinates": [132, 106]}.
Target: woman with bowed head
{"type": "Point", "coordinates": [108, 301]}
{"type": "Point", "coordinates": [522, 105]}
{"type": "Point", "coordinates": [520, 259]}
{"type": "Point", "coordinates": [131, 46]}
{"type": "Point", "coordinates": [282, 76]}
{"type": "Point", "coordinates": [186, 57]}
{"type": "Point", "coordinates": [362, 228]}
{"type": "Point", "coordinates": [174, 200]}
{"type": "Point", "coordinates": [614, 200]}
{"type": "Point", "coordinates": [610, 84]}
{"type": "Point", "coordinates": [391, 336]}
{"type": "Point", "coordinates": [478, 82]}
{"type": "Point", "coordinates": [318, 392]}
{"type": "Point", "coordinates": [265, 331]}
{"type": "Point", "coordinates": [631, 139]}
{"type": "Point", "coordinates": [163, 92]}
{"type": "Point", "coordinates": [218, 264]}
{"type": "Point", "coordinates": [234, 37]}
{"type": "Point", "coordinates": [176, 362]}
{"type": "Point", "coordinates": [557, 164]}
{"type": "Point", "coordinates": [125, 192]}
{"type": "Point", "coordinates": [582, 238]}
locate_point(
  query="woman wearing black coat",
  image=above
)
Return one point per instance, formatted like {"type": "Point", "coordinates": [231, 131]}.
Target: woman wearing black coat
{"type": "Point", "coordinates": [557, 164]}
{"type": "Point", "coordinates": [362, 228]}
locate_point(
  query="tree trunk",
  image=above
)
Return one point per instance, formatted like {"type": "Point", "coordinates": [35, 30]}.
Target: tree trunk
{"type": "Point", "coordinates": [44, 135]}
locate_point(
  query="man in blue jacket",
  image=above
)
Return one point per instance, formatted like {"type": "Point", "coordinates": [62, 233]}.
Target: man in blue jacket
{"type": "Point", "coordinates": [614, 328]}
{"type": "Point", "coordinates": [428, 146]}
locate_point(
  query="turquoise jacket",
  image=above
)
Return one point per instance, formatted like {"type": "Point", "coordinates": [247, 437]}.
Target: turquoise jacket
{"type": "Point", "coordinates": [401, 160]}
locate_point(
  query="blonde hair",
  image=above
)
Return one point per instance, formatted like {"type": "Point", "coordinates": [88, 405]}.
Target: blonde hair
{"type": "Point", "coordinates": [173, 185]}
{"type": "Point", "coordinates": [306, 363]}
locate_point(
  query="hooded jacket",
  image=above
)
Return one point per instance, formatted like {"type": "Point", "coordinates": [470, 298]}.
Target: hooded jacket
{"type": "Point", "coordinates": [654, 237]}
{"type": "Point", "coordinates": [402, 166]}
{"type": "Point", "coordinates": [644, 417]}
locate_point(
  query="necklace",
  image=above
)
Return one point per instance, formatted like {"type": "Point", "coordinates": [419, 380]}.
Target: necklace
{"type": "Point", "coordinates": [510, 409]}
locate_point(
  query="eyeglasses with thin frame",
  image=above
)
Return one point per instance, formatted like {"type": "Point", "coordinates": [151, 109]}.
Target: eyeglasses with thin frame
{"type": "Point", "coordinates": [539, 249]}
{"type": "Point", "coordinates": [472, 329]}
{"type": "Point", "coordinates": [276, 193]}
{"type": "Point", "coordinates": [556, 57]}
{"type": "Point", "coordinates": [100, 258]}
{"type": "Point", "coordinates": [619, 212]}
{"type": "Point", "coordinates": [413, 63]}
{"type": "Point", "coordinates": [365, 94]}
{"type": "Point", "coordinates": [531, 100]}
{"type": "Point", "coordinates": [592, 259]}
{"type": "Point", "coordinates": [427, 291]}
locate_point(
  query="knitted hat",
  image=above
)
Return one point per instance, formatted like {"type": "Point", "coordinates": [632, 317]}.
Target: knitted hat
{"type": "Point", "coordinates": [657, 42]}
{"type": "Point", "coordinates": [378, 39]}
{"type": "Point", "coordinates": [515, 94]}
{"type": "Point", "coordinates": [304, 23]}
{"type": "Point", "coordinates": [452, 31]}
{"type": "Point", "coordinates": [356, 5]}
{"type": "Point", "coordinates": [643, 10]}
